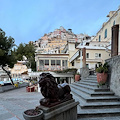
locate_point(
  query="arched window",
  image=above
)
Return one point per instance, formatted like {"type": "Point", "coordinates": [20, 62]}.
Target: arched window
{"type": "Point", "coordinates": [99, 38]}
{"type": "Point", "coordinates": [105, 33]}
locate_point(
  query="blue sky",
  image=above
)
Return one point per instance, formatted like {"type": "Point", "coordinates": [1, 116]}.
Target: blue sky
{"type": "Point", "coordinates": [28, 20]}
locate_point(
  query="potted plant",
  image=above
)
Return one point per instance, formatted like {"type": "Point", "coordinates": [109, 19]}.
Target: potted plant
{"type": "Point", "coordinates": [33, 114]}
{"type": "Point", "coordinates": [102, 73]}
{"type": "Point", "coordinates": [77, 76]}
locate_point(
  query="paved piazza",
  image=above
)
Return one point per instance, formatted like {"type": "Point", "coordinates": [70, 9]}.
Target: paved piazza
{"type": "Point", "coordinates": [14, 102]}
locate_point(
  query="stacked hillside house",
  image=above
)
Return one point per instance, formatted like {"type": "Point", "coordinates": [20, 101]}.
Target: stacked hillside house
{"type": "Point", "coordinates": [54, 42]}
{"type": "Point", "coordinates": [50, 55]}
{"type": "Point", "coordinates": [19, 71]}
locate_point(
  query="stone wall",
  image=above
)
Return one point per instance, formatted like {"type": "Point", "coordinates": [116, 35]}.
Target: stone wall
{"type": "Point", "coordinates": [11, 87]}
{"type": "Point", "coordinates": [114, 74]}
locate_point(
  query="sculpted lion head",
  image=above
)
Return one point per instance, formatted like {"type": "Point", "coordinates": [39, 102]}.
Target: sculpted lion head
{"type": "Point", "coordinates": [48, 85]}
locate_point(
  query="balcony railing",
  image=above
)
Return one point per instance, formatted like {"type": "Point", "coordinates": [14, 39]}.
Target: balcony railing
{"type": "Point", "coordinates": [52, 68]}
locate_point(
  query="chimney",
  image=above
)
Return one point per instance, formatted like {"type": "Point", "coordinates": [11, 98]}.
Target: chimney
{"type": "Point", "coordinates": [70, 30]}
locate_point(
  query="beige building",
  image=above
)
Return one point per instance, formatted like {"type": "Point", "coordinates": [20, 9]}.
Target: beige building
{"type": "Point", "coordinates": [95, 53]}
{"type": "Point", "coordinates": [105, 33]}
{"type": "Point", "coordinates": [51, 62]}
{"type": "Point", "coordinates": [19, 70]}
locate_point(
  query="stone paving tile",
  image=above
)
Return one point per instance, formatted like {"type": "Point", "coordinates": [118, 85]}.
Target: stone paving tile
{"type": "Point", "coordinates": [100, 118]}
{"type": "Point", "coordinates": [6, 116]}
{"type": "Point", "coordinates": [14, 102]}
{"type": "Point", "coordinates": [13, 118]}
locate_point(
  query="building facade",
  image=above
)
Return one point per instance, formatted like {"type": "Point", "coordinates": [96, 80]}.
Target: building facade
{"type": "Point", "coordinates": [19, 71]}
{"type": "Point", "coordinates": [105, 33]}
{"type": "Point", "coordinates": [95, 53]}
{"type": "Point", "coordinates": [51, 62]}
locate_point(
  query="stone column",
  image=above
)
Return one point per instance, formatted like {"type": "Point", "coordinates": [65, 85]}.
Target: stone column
{"type": "Point", "coordinates": [114, 43]}
{"type": "Point", "coordinates": [84, 71]}
{"type": "Point", "coordinates": [38, 84]}
{"type": "Point", "coordinates": [84, 57]}
{"type": "Point", "coordinates": [81, 59]}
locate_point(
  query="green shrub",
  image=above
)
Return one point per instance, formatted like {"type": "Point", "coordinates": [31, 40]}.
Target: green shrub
{"type": "Point", "coordinates": [103, 68]}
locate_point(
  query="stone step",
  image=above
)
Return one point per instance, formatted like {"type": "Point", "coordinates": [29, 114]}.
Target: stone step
{"type": "Point", "coordinates": [101, 118]}
{"type": "Point", "coordinates": [108, 93]}
{"type": "Point", "coordinates": [79, 94]}
{"type": "Point", "coordinates": [94, 105]}
{"type": "Point", "coordinates": [84, 90]}
{"type": "Point", "coordinates": [91, 92]}
{"type": "Point", "coordinates": [100, 105]}
{"type": "Point", "coordinates": [103, 99]}
{"type": "Point", "coordinates": [91, 87]}
{"type": "Point", "coordinates": [93, 79]}
{"type": "Point", "coordinates": [98, 112]}
{"type": "Point", "coordinates": [87, 98]}
{"type": "Point", "coordinates": [89, 83]}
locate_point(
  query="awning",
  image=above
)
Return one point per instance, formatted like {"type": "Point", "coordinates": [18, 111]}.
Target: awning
{"type": "Point", "coordinates": [75, 56]}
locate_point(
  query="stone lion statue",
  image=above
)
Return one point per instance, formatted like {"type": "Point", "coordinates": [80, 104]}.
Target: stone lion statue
{"type": "Point", "coordinates": [53, 93]}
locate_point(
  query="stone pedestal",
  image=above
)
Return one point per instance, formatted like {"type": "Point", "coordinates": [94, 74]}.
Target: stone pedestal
{"type": "Point", "coordinates": [84, 72]}
{"type": "Point", "coordinates": [64, 111]}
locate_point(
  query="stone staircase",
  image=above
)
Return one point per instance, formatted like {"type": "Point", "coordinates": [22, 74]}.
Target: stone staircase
{"type": "Point", "coordinates": [94, 101]}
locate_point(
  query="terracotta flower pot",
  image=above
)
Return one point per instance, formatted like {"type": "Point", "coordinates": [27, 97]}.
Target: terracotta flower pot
{"type": "Point", "coordinates": [102, 78]}
{"type": "Point", "coordinates": [77, 77]}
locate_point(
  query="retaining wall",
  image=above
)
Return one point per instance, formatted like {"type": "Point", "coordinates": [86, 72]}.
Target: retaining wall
{"type": "Point", "coordinates": [114, 74]}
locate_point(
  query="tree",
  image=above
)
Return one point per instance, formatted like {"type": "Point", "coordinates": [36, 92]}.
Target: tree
{"type": "Point", "coordinates": [27, 50]}
{"type": "Point", "coordinates": [7, 57]}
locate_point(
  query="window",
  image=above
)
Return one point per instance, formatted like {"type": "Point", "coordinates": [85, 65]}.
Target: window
{"type": "Point", "coordinates": [87, 55]}
{"type": "Point", "coordinates": [58, 62]}
{"type": "Point", "coordinates": [72, 63]}
{"type": "Point", "coordinates": [64, 63]}
{"type": "Point", "coordinates": [87, 44]}
{"type": "Point", "coordinates": [105, 33]}
{"type": "Point", "coordinates": [97, 55]}
{"type": "Point", "coordinates": [99, 38]}
{"type": "Point", "coordinates": [41, 62]}
{"type": "Point", "coordinates": [52, 62]}
{"type": "Point", "coordinates": [46, 62]}
{"type": "Point", "coordinates": [114, 22]}
{"type": "Point", "coordinates": [87, 65]}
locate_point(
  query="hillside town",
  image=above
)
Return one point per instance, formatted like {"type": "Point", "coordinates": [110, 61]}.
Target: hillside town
{"type": "Point", "coordinates": [62, 50]}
